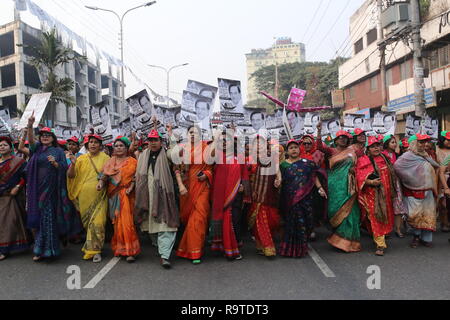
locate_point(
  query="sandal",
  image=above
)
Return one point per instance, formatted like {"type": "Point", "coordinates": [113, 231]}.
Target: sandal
{"type": "Point", "coordinates": [379, 252]}
{"type": "Point", "coordinates": [426, 244]}
{"type": "Point", "coordinates": [131, 259]}
{"type": "Point", "coordinates": [415, 243]}
{"type": "Point", "coordinates": [197, 261]}
{"type": "Point", "coordinates": [97, 258]}
{"type": "Point", "coordinates": [399, 234]}
{"type": "Point", "coordinates": [3, 257]}
{"type": "Point", "coordinates": [37, 258]}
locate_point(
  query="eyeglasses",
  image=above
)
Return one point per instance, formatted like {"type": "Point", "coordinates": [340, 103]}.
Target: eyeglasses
{"type": "Point", "coordinates": [307, 143]}
{"type": "Point", "coordinates": [46, 135]}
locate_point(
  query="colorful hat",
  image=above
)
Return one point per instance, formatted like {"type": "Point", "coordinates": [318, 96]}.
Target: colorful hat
{"type": "Point", "coordinates": [308, 136]}
{"type": "Point", "coordinates": [358, 131]}
{"type": "Point", "coordinates": [124, 140]}
{"type": "Point", "coordinates": [372, 140]}
{"type": "Point", "coordinates": [95, 136]}
{"type": "Point", "coordinates": [74, 139]}
{"type": "Point", "coordinates": [404, 143]}
{"type": "Point", "coordinates": [292, 141]}
{"type": "Point", "coordinates": [62, 142]}
{"type": "Point", "coordinates": [419, 137]}
{"type": "Point", "coordinates": [47, 129]}
{"type": "Point", "coordinates": [446, 134]}
{"type": "Point", "coordinates": [343, 133]}
{"type": "Point", "coordinates": [154, 135]}
{"type": "Point", "coordinates": [387, 138]}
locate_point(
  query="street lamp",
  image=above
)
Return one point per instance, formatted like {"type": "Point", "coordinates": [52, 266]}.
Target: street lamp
{"type": "Point", "coordinates": [121, 38]}
{"type": "Point", "coordinates": [167, 73]}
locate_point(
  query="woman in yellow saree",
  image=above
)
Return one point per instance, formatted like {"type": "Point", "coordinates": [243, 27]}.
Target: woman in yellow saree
{"type": "Point", "coordinates": [83, 178]}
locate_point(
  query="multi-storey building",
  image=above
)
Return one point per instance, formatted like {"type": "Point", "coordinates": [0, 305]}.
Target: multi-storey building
{"type": "Point", "coordinates": [283, 51]}
{"type": "Point", "coordinates": [360, 76]}
{"type": "Point", "coordinates": [19, 79]}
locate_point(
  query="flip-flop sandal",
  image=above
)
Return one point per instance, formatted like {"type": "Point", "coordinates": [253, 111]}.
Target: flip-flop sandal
{"type": "Point", "coordinates": [97, 258]}
{"type": "Point", "coordinates": [197, 261]}
{"type": "Point", "coordinates": [3, 257]}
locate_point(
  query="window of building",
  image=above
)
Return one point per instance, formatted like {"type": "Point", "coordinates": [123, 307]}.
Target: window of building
{"type": "Point", "coordinates": [372, 36]}
{"type": "Point", "coordinates": [31, 76]}
{"type": "Point", "coordinates": [351, 93]}
{"type": "Point", "coordinates": [359, 46]}
{"type": "Point", "coordinates": [8, 75]}
{"type": "Point", "coordinates": [389, 79]}
{"type": "Point", "coordinates": [7, 44]}
{"type": "Point", "coordinates": [405, 70]}
{"type": "Point", "coordinates": [434, 60]}
{"type": "Point", "coordinates": [374, 84]}
{"type": "Point", "coordinates": [443, 56]}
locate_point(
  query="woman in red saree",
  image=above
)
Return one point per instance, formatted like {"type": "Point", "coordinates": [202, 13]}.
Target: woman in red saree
{"type": "Point", "coordinates": [120, 170]}
{"type": "Point", "coordinates": [194, 204]}
{"type": "Point", "coordinates": [264, 219]}
{"type": "Point", "coordinates": [376, 181]}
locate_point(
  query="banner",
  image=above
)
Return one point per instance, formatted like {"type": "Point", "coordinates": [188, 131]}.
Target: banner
{"type": "Point", "coordinates": [354, 121]}
{"type": "Point", "coordinates": [101, 122]}
{"type": "Point", "coordinates": [5, 121]}
{"type": "Point", "coordinates": [412, 126]}
{"type": "Point", "coordinates": [63, 133]}
{"type": "Point", "coordinates": [230, 98]}
{"type": "Point", "coordinates": [312, 119]}
{"type": "Point", "coordinates": [331, 127]}
{"type": "Point", "coordinates": [38, 104]}
{"type": "Point", "coordinates": [204, 90]}
{"type": "Point", "coordinates": [196, 109]}
{"type": "Point", "coordinates": [295, 99]}
{"type": "Point", "coordinates": [431, 127]}
{"type": "Point", "coordinates": [384, 123]}
{"type": "Point", "coordinates": [142, 111]}
{"type": "Point", "coordinates": [296, 123]}
{"type": "Point", "coordinates": [125, 127]}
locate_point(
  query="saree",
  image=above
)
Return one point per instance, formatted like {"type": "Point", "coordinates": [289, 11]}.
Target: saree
{"type": "Point", "coordinates": [296, 206]}
{"type": "Point", "coordinates": [227, 180]}
{"type": "Point", "coordinates": [91, 204]}
{"type": "Point", "coordinates": [263, 217]}
{"type": "Point", "coordinates": [343, 210]}
{"type": "Point", "coordinates": [125, 241]}
{"type": "Point", "coordinates": [13, 234]}
{"type": "Point", "coordinates": [50, 211]}
{"type": "Point", "coordinates": [376, 203]}
{"type": "Point", "coordinates": [194, 208]}
{"type": "Point", "coordinates": [418, 177]}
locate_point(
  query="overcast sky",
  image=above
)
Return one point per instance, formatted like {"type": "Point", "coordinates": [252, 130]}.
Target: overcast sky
{"type": "Point", "coordinates": [213, 36]}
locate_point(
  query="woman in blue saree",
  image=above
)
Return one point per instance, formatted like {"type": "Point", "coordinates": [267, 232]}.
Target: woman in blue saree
{"type": "Point", "coordinates": [51, 215]}
{"type": "Point", "coordinates": [299, 176]}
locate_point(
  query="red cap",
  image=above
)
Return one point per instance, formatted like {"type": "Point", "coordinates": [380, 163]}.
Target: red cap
{"type": "Point", "coordinates": [343, 133]}
{"type": "Point", "coordinates": [405, 142]}
{"type": "Point", "coordinates": [308, 136]}
{"type": "Point", "coordinates": [292, 141]}
{"type": "Point", "coordinates": [154, 135]}
{"type": "Point", "coordinates": [46, 129]}
{"type": "Point", "coordinates": [358, 131]}
{"type": "Point", "coordinates": [96, 136]}
{"type": "Point", "coordinates": [423, 137]}
{"type": "Point", "coordinates": [74, 139]}
{"type": "Point", "coordinates": [85, 139]}
{"type": "Point", "coordinates": [62, 142]}
{"type": "Point", "coordinates": [372, 140]}
{"type": "Point", "coordinates": [109, 145]}
{"type": "Point", "coordinates": [447, 135]}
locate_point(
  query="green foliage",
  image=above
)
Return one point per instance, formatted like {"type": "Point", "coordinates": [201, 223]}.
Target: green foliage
{"type": "Point", "coordinates": [424, 8]}
{"type": "Point", "coordinates": [317, 78]}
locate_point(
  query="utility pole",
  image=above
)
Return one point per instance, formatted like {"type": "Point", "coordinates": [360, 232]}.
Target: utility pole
{"type": "Point", "coordinates": [382, 48]}
{"type": "Point", "coordinates": [418, 64]}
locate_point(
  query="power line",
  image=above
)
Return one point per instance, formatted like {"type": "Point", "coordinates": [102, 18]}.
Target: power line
{"type": "Point", "coordinates": [323, 15]}
{"type": "Point", "coordinates": [312, 20]}
{"type": "Point", "coordinates": [331, 28]}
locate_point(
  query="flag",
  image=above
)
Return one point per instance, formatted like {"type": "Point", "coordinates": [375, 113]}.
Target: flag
{"type": "Point", "coordinates": [295, 99]}
{"type": "Point", "coordinates": [21, 5]}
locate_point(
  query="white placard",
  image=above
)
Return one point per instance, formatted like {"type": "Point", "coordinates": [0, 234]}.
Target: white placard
{"type": "Point", "coordinates": [38, 104]}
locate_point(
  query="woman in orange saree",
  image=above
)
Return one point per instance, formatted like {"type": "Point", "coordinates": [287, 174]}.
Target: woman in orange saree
{"type": "Point", "coordinates": [194, 204]}
{"type": "Point", "coordinates": [120, 170]}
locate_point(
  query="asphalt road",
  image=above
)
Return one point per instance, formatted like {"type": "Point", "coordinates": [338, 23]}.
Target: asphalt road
{"type": "Point", "coordinates": [405, 273]}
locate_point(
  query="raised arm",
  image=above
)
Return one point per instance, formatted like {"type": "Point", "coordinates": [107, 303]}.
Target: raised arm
{"type": "Point", "coordinates": [30, 130]}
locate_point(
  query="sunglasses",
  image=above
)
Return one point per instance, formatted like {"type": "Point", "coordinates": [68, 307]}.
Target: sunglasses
{"type": "Point", "coordinates": [307, 143]}
{"type": "Point", "coordinates": [46, 135]}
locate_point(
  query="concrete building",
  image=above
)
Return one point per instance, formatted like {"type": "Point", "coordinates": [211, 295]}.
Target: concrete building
{"type": "Point", "coordinates": [282, 51]}
{"type": "Point", "coordinates": [19, 79]}
{"type": "Point", "coordinates": [360, 79]}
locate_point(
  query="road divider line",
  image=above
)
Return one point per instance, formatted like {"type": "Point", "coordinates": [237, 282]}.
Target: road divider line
{"type": "Point", "coordinates": [99, 276]}
{"type": "Point", "coordinates": [320, 263]}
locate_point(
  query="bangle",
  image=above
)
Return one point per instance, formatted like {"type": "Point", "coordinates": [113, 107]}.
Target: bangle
{"type": "Point", "coordinates": [18, 186]}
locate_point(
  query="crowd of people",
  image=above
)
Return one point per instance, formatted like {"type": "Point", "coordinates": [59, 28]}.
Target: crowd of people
{"type": "Point", "coordinates": [53, 193]}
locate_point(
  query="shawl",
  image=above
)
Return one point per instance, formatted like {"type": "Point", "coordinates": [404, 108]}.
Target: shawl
{"type": "Point", "coordinates": [416, 172]}
{"type": "Point", "coordinates": [164, 208]}
{"type": "Point", "coordinates": [11, 172]}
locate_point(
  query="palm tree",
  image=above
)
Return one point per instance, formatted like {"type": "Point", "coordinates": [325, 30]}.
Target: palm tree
{"type": "Point", "coordinates": [46, 57]}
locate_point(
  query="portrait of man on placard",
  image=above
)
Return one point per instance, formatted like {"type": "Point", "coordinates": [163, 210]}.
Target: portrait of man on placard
{"type": "Point", "coordinates": [235, 95]}
{"type": "Point", "coordinates": [333, 127]}
{"type": "Point", "coordinates": [296, 122]}
{"type": "Point", "coordinates": [257, 119]}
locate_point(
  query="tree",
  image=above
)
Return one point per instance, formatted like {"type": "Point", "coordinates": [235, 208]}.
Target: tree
{"type": "Point", "coordinates": [46, 58]}
{"type": "Point", "coordinates": [317, 78]}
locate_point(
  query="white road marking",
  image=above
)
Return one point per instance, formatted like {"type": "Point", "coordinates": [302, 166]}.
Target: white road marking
{"type": "Point", "coordinates": [99, 276]}
{"type": "Point", "coordinates": [320, 263]}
